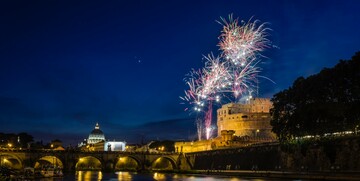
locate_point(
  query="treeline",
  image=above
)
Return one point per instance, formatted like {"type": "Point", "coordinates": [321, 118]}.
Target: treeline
{"type": "Point", "coordinates": [326, 102]}
{"type": "Point", "coordinates": [166, 145]}
{"type": "Point", "coordinates": [24, 141]}
{"type": "Point", "coordinates": [21, 140]}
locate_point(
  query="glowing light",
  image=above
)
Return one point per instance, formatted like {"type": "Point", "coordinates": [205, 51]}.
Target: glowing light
{"type": "Point", "coordinates": [234, 72]}
{"type": "Point", "coordinates": [208, 133]}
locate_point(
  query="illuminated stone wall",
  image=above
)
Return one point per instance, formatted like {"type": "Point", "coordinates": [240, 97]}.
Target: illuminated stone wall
{"type": "Point", "coordinates": [193, 146]}
{"type": "Point", "coordinates": [238, 125]}
{"type": "Point", "coordinates": [251, 119]}
{"type": "Point", "coordinates": [115, 146]}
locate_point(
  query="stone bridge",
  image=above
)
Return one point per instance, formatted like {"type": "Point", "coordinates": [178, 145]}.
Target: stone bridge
{"type": "Point", "coordinates": [71, 160]}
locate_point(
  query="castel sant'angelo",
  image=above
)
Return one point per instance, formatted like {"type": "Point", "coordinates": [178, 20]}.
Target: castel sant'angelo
{"type": "Point", "coordinates": [238, 125]}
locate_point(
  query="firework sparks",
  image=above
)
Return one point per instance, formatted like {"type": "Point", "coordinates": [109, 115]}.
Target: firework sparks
{"type": "Point", "coordinates": [241, 43]}
{"type": "Point", "coordinates": [235, 71]}
{"type": "Point", "coordinates": [204, 84]}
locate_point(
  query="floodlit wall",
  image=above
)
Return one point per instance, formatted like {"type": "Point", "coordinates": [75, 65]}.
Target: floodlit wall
{"type": "Point", "coordinates": [250, 119]}
{"type": "Point", "coordinates": [115, 146]}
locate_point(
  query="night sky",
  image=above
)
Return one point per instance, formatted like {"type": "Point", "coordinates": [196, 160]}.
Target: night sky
{"type": "Point", "coordinates": [66, 65]}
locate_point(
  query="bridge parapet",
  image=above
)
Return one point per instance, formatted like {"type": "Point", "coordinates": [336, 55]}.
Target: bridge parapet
{"type": "Point", "coordinates": [69, 159]}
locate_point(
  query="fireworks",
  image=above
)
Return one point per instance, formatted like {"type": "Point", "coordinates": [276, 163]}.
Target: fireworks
{"type": "Point", "coordinates": [242, 43]}
{"type": "Point", "coordinates": [233, 73]}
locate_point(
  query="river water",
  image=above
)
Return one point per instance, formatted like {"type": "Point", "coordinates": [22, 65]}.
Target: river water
{"type": "Point", "coordinates": [132, 176]}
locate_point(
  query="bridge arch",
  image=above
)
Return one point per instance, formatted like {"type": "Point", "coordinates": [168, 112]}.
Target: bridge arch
{"type": "Point", "coordinates": [130, 163]}
{"type": "Point", "coordinates": [48, 160]}
{"type": "Point", "coordinates": [163, 163]}
{"type": "Point", "coordinates": [88, 163]}
{"type": "Point", "coordinates": [11, 161]}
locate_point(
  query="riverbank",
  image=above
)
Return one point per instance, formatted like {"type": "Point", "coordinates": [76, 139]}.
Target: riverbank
{"type": "Point", "coordinates": [276, 174]}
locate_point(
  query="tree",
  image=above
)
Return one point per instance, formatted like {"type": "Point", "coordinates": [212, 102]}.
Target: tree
{"type": "Point", "coordinates": [25, 139]}
{"type": "Point", "coordinates": [17, 140]}
{"type": "Point", "coordinates": [165, 145]}
{"type": "Point", "coordinates": [322, 103]}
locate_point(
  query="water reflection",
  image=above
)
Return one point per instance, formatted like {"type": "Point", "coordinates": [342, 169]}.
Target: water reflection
{"type": "Point", "coordinates": [202, 178]}
{"type": "Point", "coordinates": [126, 176]}
{"type": "Point", "coordinates": [159, 176]}
{"type": "Point", "coordinates": [133, 176]}
{"type": "Point", "coordinates": [88, 175]}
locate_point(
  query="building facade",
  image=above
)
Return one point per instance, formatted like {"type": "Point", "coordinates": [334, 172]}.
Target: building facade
{"type": "Point", "coordinates": [96, 135]}
{"type": "Point", "coordinates": [115, 146]}
{"type": "Point", "coordinates": [251, 119]}
{"type": "Point", "coordinates": [238, 125]}
{"type": "Point", "coordinates": [96, 142]}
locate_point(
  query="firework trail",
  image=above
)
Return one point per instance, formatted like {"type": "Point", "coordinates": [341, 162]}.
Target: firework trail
{"type": "Point", "coordinates": [234, 72]}
{"type": "Point", "coordinates": [199, 128]}
{"type": "Point", "coordinates": [208, 120]}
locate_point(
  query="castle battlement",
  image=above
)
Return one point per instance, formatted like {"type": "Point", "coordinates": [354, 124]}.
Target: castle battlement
{"type": "Point", "coordinates": [239, 124]}
{"type": "Point", "coordinates": [249, 119]}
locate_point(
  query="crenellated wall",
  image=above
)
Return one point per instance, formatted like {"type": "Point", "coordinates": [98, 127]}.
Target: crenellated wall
{"type": "Point", "coordinates": [250, 119]}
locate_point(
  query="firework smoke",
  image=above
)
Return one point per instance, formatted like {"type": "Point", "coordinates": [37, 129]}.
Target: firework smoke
{"type": "Point", "coordinates": [199, 128]}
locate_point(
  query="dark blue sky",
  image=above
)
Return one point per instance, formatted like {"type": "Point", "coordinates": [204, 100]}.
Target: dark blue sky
{"type": "Point", "coordinates": [66, 65]}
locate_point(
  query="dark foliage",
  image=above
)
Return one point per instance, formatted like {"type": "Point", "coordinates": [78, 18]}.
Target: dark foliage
{"type": "Point", "coordinates": [21, 140]}
{"type": "Point", "coordinates": [167, 144]}
{"type": "Point", "coordinates": [323, 103]}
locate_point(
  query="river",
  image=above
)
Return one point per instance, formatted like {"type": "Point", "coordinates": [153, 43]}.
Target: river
{"type": "Point", "coordinates": [132, 176]}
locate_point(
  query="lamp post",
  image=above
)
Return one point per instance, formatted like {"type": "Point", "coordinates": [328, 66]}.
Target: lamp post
{"type": "Point", "coordinates": [257, 133]}
{"type": "Point", "coordinates": [80, 163]}
{"type": "Point", "coordinates": [4, 160]}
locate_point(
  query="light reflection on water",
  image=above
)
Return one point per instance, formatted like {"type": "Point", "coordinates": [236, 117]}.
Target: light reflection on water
{"type": "Point", "coordinates": [132, 176]}
{"type": "Point", "coordinates": [88, 175]}
{"type": "Point", "coordinates": [125, 176]}
{"type": "Point", "coordinates": [159, 176]}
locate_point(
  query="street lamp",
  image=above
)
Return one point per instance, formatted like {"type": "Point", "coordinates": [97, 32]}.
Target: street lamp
{"type": "Point", "coordinates": [5, 160]}
{"type": "Point", "coordinates": [257, 134]}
